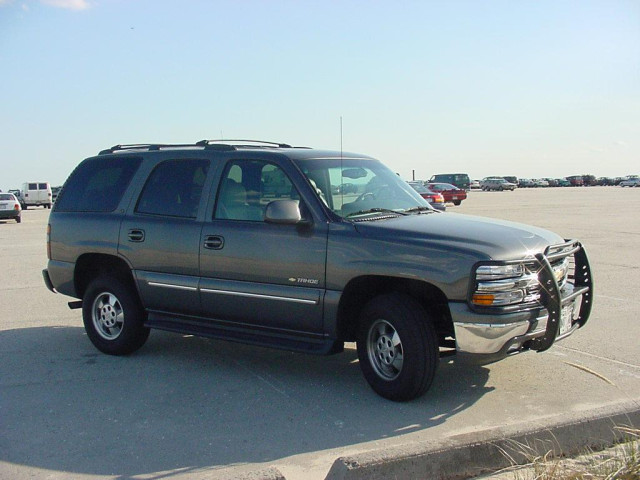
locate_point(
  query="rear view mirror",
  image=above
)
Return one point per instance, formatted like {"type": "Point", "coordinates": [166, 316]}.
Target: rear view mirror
{"type": "Point", "coordinates": [354, 173]}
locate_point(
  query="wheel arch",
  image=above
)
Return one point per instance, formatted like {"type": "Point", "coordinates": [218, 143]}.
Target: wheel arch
{"type": "Point", "coordinates": [359, 291]}
{"type": "Point", "coordinates": [92, 265]}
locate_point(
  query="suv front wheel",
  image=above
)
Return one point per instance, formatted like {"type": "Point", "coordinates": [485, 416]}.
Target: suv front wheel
{"type": "Point", "coordinates": [397, 347]}
{"type": "Point", "coordinates": [113, 316]}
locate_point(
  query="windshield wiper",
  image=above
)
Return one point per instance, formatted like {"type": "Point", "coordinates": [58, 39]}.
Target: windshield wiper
{"type": "Point", "coordinates": [419, 210]}
{"type": "Point", "coordinates": [375, 210]}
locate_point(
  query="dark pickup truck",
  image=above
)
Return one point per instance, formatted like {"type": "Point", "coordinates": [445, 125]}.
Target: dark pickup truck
{"type": "Point", "coordinates": [260, 243]}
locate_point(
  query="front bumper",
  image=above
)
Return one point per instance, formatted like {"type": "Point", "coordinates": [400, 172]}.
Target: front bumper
{"type": "Point", "coordinates": [483, 338]}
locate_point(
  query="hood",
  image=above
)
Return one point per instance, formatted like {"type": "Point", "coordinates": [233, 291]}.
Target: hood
{"type": "Point", "coordinates": [486, 238]}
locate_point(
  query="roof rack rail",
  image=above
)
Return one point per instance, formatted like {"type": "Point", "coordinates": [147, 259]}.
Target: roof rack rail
{"type": "Point", "coordinates": [243, 143]}
{"type": "Point", "coordinates": [209, 144]}
{"type": "Point", "coordinates": [142, 146]}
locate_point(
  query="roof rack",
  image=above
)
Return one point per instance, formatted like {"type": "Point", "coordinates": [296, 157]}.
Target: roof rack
{"type": "Point", "coordinates": [243, 143]}
{"type": "Point", "coordinates": [142, 146]}
{"type": "Point", "coordinates": [208, 144]}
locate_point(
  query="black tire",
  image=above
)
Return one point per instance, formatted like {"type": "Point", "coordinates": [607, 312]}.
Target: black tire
{"type": "Point", "coordinates": [19, 218]}
{"type": "Point", "coordinates": [397, 347]}
{"type": "Point", "coordinates": [113, 316]}
{"type": "Point", "coordinates": [457, 202]}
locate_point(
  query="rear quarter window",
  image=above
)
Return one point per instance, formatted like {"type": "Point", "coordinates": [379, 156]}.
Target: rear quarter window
{"type": "Point", "coordinates": [97, 185]}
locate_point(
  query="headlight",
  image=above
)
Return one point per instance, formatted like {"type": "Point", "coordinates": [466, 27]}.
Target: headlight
{"type": "Point", "coordinates": [497, 272]}
{"type": "Point", "coordinates": [506, 284]}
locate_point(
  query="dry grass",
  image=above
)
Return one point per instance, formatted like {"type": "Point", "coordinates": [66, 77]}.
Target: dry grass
{"type": "Point", "coordinates": [621, 462]}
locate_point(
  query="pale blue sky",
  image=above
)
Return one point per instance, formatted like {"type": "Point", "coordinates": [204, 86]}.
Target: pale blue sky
{"type": "Point", "coordinates": [528, 88]}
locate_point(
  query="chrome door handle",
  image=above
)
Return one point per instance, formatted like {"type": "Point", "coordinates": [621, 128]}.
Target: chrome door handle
{"type": "Point", "coordinates": [214, 242]}
{"type": "Point", "coordinates": [136, 235]}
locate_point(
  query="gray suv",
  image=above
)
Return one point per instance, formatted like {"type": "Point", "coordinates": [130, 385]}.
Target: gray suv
{"type": "Point", "coordinates": [258, 243]}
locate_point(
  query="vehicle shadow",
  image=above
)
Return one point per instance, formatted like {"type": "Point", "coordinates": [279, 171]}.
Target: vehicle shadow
{"type": "Point", "coordinates": [184, 403]}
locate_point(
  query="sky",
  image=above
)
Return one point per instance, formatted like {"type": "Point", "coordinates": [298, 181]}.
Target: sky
{"type": "Point", "coordinates": [544, 88]}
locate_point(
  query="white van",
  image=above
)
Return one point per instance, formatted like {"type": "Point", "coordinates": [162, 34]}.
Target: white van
{"type": "Point", "coordinates": [36, 193]}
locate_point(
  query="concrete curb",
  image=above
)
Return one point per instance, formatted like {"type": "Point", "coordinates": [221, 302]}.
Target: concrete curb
{"type": "Point", "coordinates": [472, 454]}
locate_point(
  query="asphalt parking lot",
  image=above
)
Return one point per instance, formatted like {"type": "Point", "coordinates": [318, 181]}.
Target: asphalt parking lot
{"type": "Point", "coordinates": [186, 407]}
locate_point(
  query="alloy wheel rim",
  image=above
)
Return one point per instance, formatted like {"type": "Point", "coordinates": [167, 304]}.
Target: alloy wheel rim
{"type": "Point", "coordinates": [384, 348]}
{"type": "Point", "coordinates": [108, 316]}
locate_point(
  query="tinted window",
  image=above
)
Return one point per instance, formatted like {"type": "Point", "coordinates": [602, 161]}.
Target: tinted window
{"type": "Point", "coordinates": [174, 189]}
{"type": "Point", "coordinates": [42, 186]}
{"type": "Point", "coordinates": [248, 186]}
{"type": "Point", "coordinates": [33, 186]}
{"type": "Point", "coordinates": [97, 185]}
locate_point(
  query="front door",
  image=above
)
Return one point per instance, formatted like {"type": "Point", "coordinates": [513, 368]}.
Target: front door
{"type": "Point", "coordinates": [265, 275]}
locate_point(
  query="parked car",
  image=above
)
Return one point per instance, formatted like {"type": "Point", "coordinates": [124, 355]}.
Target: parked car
{"type": "Point", "coordinates": [460, 180]}
{"type": "Point", "coordinates": [474, 185]}
{"type": "Point", "coordinates": [54, 193]}
{"type": "Point", "coordinates": [435, 199]}
{"type": "Point", "coordinates": [35, 194]}
{"type": "Point", "coordinates": [630, 182]}
{"type": "Point", "coordinates": [18, 195]}
{"type": "Point", "coordinates": [576, 180]}
{"type": "Point", "coordinates": [451, 193]}
{"type": "Point", "coordinates": [246, 241]}
{"type": "Point", "coordinates": [496, 183]}
{"type": "Point", "coordinates": [526, 183]}
{"type": "Point", "coordinates": [605, 181]}
{"type": "Point", "coordinates": [540, 182]}
{"type": "Point", "coordinates": [10, 207]}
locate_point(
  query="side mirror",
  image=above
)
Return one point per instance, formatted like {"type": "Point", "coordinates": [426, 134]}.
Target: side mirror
{"type": "Point", "coordinates": [284, 212]}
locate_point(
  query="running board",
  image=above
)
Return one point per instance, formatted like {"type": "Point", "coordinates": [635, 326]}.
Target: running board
{"type": "Point", "coordinates": [244, 334]}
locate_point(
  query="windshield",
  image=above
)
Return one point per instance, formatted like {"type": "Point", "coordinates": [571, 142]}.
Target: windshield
{"type": "Point", "coordinates": [352, 187]}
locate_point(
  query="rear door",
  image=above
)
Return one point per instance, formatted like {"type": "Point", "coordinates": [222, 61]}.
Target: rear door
{"type": "Point", "coordinates": [265, 275]}
{"type": "Point", "coordinates": [160, 236]}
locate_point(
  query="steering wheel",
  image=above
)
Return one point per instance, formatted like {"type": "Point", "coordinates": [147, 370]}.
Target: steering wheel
{"type": "Point", "coordinates": [379, 192]}
{"type": "Point", "coordinates": [365, 195]}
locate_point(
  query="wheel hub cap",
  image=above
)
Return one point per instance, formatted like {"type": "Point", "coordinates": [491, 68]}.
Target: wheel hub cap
{"type": "Point", "coordinates": [108, 316]}
{"type": "Point", "coordinates": [385, 351]}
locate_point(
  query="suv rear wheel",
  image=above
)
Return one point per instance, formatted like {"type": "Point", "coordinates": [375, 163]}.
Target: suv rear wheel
{"type": "Point", "coordinates": [397, 347]}
{"type": "Point", "coordinates": [113, 316]}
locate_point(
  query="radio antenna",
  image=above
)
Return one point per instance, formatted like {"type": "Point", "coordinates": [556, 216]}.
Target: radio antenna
{"type": "Point", "coordinates": [340, 136]}
{"type": "Point", "coordinates": [341, 167]}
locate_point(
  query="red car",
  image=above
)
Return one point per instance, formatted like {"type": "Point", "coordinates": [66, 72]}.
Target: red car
{"type": "Point", "coordinates": [451, 193]}
{"type": "Point", "coordinates": [435, 199]}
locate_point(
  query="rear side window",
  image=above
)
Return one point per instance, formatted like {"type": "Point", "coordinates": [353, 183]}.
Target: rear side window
{"type": "Point", "coordinates": [97, 185]}
{"type": "Point", "coordinates": [174, 189]}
